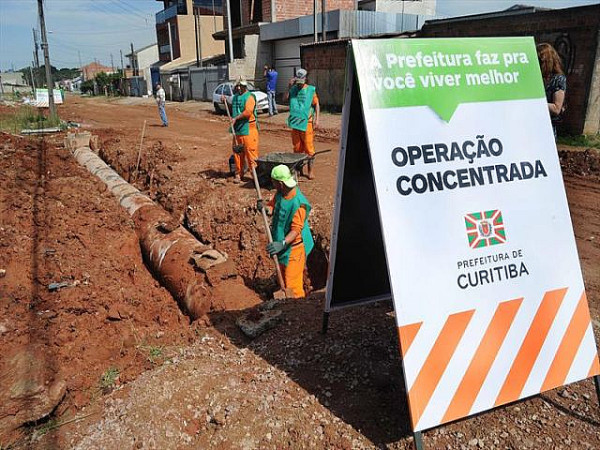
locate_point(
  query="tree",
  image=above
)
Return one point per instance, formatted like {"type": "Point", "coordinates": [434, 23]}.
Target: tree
{"type": "Point", "coordinates": [39, 75]}
{"type": "Point", "coordinates": [87, 87]}
{"type": "Point", "coordinates": [108, 83]}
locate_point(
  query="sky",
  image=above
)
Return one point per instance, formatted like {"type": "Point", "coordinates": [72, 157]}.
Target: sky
{"type": "Point", "coordinates": [81, 31]}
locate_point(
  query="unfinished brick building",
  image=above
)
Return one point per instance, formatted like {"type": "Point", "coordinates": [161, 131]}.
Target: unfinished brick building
{"type": "Point", "coordinates": [574, 32]}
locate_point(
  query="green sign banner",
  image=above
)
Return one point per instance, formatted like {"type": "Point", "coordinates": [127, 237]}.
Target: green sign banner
{"type": "Point", "coordinates": [443, 73]}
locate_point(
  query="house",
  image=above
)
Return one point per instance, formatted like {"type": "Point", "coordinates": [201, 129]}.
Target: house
{"type": "Point", "coordinates": [90, 70]}
{"type": "Point", "coordinates": [259, 37]}
{"type": "Point", "coordinates": [11, 82]}
{"type": "Point", "coordinates": [142, 61]}
{"type": "Point", "coordinates": [184, 30]}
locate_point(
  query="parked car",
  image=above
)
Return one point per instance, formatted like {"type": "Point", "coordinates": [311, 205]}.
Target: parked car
{"type": "Point", "coordinates": [226, 89]}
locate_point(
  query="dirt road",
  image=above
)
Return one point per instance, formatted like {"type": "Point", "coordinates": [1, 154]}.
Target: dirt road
{"type": "Point", "coordinates": [190, 386]}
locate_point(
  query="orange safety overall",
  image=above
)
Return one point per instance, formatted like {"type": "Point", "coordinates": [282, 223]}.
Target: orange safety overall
{"type": "Point", "coordinates": [293, 272]}
{"type": "Point", "coordinates": [250, 142]}
{"type": "Point", "coordinates": [303, 141]}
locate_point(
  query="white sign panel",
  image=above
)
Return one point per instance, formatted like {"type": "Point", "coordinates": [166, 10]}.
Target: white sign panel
{"type": "Point", "coordinates": [483, 268]}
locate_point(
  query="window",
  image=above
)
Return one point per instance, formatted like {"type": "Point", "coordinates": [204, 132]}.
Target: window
{"type": "Point", "coordinates": [219, 90]}
{"type": "Point", "coordinates": [238, 48]}
{"type": "Point", "coordinates": [227, 90]}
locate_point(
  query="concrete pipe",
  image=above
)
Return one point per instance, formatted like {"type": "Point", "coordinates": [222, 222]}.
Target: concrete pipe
{"type": "Point", "coordinates": [170, 251]}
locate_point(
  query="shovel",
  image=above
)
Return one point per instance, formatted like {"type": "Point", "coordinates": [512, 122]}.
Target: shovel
{"type": "Point", "coordinates": [281, 293]}
{"type": "Point", "coordinates": [237, 148]}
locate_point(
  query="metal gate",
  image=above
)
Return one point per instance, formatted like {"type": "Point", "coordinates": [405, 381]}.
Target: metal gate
{"type": "Point", "coordinates": [204, 80]}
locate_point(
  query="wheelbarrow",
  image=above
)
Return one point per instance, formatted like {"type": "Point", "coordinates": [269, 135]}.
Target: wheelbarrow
{"type": "Point", "coordinates": [295, 162]}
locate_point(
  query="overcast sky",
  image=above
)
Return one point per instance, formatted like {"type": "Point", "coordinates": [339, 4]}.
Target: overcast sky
{"type": "Point", "coordinates": [95, 29]}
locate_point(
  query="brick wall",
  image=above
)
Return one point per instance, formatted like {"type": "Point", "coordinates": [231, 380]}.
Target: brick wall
{"type": "Point", "coordinates": [575, 32]}
{"type": "Point", "coordinates": [326, 66]}
{"type": "Point", "coordinates": [290, 9]}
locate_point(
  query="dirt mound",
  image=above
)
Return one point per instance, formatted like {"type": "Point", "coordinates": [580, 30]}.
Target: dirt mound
{"type": "Point", "coordinates": [584, 163]}
{"type": "Point", "coordinates": [214, 213]}
{"type": "Point", "coordinates": [75, 283]}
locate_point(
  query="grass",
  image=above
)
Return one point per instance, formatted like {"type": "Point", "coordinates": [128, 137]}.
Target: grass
{"type": "Point", "coordinates": [109, 378]}
{"type": "Point", "coordinates": [25, 117]}
{"type": "Point", "coordinates": [582, 140]}
{"type": "Point", "coordinates": [154, 354]}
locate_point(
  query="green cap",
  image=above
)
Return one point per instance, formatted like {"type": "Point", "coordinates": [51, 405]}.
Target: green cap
{"type": "Point", "coordinates": [282, 173]}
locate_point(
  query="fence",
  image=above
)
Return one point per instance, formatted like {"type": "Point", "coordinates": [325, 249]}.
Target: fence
{"type": "Point", "coordinates": [204, 80]}
{"type": "Point", "coordinates": [197, 83]}
{"type": "Point", "coordinates": [135, 87]}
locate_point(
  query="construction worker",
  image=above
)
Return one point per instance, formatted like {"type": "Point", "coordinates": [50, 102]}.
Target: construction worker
{"type": "Point", "coordinates": [245, 125]}
{"type": "Point", "coordinates": [304, 117]}
{"type": "Point", "coordinates": [292, 240]}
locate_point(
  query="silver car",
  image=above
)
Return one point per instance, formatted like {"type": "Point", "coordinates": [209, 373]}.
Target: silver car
{"type": "Point", "coordinates": [226, 89]}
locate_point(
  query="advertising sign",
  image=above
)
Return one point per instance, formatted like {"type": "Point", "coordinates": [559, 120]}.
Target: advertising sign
{"type": "Point", "coordinates": [466, 219]}
{"type": "Point", "coordinates": [41, 97]}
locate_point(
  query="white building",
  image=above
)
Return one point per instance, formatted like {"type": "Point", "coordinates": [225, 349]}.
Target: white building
{"type": "Point", "coordinates": [141, 61]}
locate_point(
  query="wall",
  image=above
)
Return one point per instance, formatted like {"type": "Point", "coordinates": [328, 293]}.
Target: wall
{"type": "Point", "coordinates": [326, 66]}
{"type": "Point", "coordinates": [187, 37]}
{"type": "Point", "coordinates": [146, 58]}
{"type": "Point", "coordinates": [248, 66]}
{"type": "Point", "coordinates": [573, 31]}
{"type": "Point", "coordinates": [290, 9]}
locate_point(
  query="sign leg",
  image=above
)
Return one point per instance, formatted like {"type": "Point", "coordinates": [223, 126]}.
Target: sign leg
{"type": "Point", "coordinates": [326, 323]}
{"type": "Point", "coordinates": [418, 438]}
{"type": "Point", "coordinates": [597, 383]}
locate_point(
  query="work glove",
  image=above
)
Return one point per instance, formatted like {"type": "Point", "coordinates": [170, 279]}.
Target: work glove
{"type": "Point", "coordinates": [260, 205]}
{"type": "Point", "coordinates": [275, 247]}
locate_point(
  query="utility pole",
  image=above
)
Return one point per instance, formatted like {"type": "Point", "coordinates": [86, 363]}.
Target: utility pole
{"type": "Point", "coordinates": [32, 79]}
{"type": "Point", "coordinates": [80, 65]}
{"type": "Point", "coordinates": [324, 20]}
{"type": "Point", "coordinates": [36, 46]}
{"type": "Point", "coordinates": [122, 67]}
{"type": "Point", "coordinates": [315, 5]}
{"type": "Point", "coordinates": [134, 62]}
{"type": "Point", "coordinates": [229, 35]}
{"type": "Point", "coordinates": [199, 19]}
{"type": "Point", "coordinates": [112, 63]}
{"type": "Point", "coordinates": [196, 36]}
{"type": "Point", "coordinates": [49, 82]}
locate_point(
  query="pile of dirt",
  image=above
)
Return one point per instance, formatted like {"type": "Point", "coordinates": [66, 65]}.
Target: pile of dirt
{"type": "Point", "coordinates": [216, 213]}
{"type": "Point", "coordinates": [74, 285]}
{"type": "Point", "coordinates": [227, 219]}
{"type": "Point", "coordinates": [584, 163]}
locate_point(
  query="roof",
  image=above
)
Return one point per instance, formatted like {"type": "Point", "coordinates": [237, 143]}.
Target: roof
{"type": "Point", "coordinates": [253, 28]}
{"type": "Point", "coordinates": [141, 49]}
{"type": "Point", "coordinates": [177, 64]}
{"type": "Point", "coordinates": [515, 10]}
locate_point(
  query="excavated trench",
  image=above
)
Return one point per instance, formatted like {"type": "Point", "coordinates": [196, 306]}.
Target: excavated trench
{"type": "Point", "coordinates": [216, 212]}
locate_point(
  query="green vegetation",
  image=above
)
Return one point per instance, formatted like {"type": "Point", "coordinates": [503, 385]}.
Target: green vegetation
{"type": "Point", "coordinates": [50, 425]}
{"type": "Point", "coordinates": [109, 378]}
{"type": "Point", "coordinates": [582, 140]}
{"type": "Point", "coordinates": [25, 117]}
{"type": "Point", "coordinates": [154, 354]}
{"type": "Point", "coordinates": [39, 75]}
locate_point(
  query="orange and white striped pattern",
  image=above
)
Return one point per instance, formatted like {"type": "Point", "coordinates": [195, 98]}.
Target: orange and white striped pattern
{"type": "Point", "coordinates": [478, 359]}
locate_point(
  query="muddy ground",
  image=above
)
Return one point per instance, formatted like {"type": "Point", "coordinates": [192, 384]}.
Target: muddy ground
{"type": "Point", "coordinates": [139, 375]}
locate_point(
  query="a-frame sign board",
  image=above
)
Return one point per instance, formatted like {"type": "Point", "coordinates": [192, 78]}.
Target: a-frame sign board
{"type": "Point", "coordinates": [451, 202]}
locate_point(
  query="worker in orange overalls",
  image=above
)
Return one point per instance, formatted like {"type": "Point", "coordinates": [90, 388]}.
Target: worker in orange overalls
{"type": "Point", "coordinates": [245, 126]}
{"type": "Point", "coordinates": [292, 240]}
{"type": "Point", "coordinates": [304, 117]}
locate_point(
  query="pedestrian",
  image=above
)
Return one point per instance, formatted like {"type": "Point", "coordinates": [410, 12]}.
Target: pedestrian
{"type": "Point", "coordinates": [555, 82]}
{"type": "Point", "coordinates": [245, 126]}
{"type": "Point", "coordinates": [160, 101]}
{"type": "Point", "coordinates": [304, 117]}
{"type": "Point", "coordinates": [292, 239]}
{"type": "Point", "coordinates": [271, 76]}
